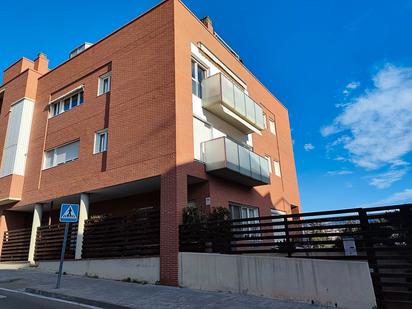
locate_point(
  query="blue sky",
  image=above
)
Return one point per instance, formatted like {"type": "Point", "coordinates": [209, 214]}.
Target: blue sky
{"type": "Point", "coordinates": [342, 68]}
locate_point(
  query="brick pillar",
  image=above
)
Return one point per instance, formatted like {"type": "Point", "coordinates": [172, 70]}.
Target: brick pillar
{"type": "Point", "coordinates": [3, 228]}
{"type": "Point", "coordinates": [173, 198]}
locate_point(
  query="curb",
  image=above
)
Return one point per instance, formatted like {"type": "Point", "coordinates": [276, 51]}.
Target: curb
{"type": "Point", "coordinates": [10, 280]}
{"type": "Point", "coordinates": [75, 299]}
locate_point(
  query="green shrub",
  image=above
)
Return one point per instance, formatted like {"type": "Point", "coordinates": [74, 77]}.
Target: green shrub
{"type": "Point", "coordinates": [219, 214]}
{"type": "Point", "coordinates": [192, 215]}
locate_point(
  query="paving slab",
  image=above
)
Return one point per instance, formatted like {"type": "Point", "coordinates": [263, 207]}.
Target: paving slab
{"type": "Point", "coordinates": [107, 293]}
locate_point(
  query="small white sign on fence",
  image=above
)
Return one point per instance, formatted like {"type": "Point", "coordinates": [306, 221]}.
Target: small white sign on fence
{"type": "Point", "coordinates": [349, 245]}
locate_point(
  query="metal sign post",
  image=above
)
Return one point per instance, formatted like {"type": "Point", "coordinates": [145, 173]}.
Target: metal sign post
{"type": "Point", "coordinates": [66, 232]}
{"type": "Point", "coordinates": [68, 213]}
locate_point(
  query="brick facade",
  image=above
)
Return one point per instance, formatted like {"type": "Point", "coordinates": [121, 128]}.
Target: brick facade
{"type": "Point", "coordinates": [148, 114]}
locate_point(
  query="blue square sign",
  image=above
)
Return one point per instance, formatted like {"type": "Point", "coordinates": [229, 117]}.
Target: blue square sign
{"type": "Point", "coordinates": [69, 213]}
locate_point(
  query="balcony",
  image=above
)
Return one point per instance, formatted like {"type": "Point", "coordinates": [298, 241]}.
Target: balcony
{"type": "Point", "coordinates": [228, 159]}
{"type": "Point", "coordinates": [226, 100]}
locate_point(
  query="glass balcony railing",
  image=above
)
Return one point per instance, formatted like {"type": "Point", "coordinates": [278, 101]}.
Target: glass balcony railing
{"type": "Point", "coordinates": [236, 162]}
{"type": "Point", "coordinates": [220, 93]}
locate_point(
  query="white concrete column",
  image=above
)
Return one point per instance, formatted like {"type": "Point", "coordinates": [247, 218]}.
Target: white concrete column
{"type": "Point", "coordinates": [83, 216]}
{"type": "Point", "coordinates": [3, 228]}
{"type": "Point", "coordinates": [37, 214]}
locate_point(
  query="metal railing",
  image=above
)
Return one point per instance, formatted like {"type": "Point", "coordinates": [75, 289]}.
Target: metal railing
{"type": "Point", "coordinates": [382, 236]}
{"type": "Point", "coordinates": [227, 46]}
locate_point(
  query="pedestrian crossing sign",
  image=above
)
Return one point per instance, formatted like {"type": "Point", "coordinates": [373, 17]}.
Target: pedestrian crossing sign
{"type": "Point", "coordinates": [69, 213]}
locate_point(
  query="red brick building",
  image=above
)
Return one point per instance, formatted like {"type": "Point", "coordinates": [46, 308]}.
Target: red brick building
{"type": "Point", "coordinates": [160, 113]}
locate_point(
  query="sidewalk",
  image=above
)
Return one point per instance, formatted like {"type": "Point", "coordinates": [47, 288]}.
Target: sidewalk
{"type": "Point", "coordinates": [101, 292]}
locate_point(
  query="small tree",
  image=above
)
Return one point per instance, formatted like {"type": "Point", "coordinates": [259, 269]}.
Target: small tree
{"type": "Point", "coordinates": [192, 215]}
{"type": "Point", "coordinates": [219, 230]}
{"type": "Point", "coordinates": [219, 214]}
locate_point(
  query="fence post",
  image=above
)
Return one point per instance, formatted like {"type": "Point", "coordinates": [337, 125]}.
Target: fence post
{"type": "Point", "coordinates": [406, 220]}
{"type": "Point", "coordinates": [228, 234]}
{"type": "Point", "coordinates": [364, 223]}
{"type": "Point", "coordinates": [370, 252]}
{"type": "Point", "coordinates": [288, 244]}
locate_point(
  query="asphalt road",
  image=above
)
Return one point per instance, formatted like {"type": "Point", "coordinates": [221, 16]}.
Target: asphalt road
{"type": "Point", "coordinates": [21, 300]}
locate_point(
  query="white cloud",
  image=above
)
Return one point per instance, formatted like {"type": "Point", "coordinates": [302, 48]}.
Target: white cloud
{"type": "Point", "coordinates": [398, 197]}
{"type": "Point", "coordinates": [353, 85]}
{"type": "Point", "coordinates": [339, 173]}
{"type": "Point", "coordinates": [339, 105]}
{"type": "Point", "coordinates": [308, 147]}
{"type": "Point", "coordinates": [386, 179]}
{"type": "Point", "coordinates": [340, 158]}
{"type": "Point", "coordinates": [375, 129]}
{"type": "Point", "coordinates": [349, 87]}
{"type": "Point", "coordinates": [329, 130]}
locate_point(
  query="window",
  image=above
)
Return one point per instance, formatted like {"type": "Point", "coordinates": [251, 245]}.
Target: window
{"type": "Point", "coordinates": [100, 141]}
{"type": "Point", "coordinates": [105, 82]}
{"type": "Point", "coordinates": [265, 125]}
{"type": "Point", "coordinates": [1, 99]}
{"type": "Point", "coordinates": [277, 168]}
{"type": "Point", "coordinates": [272, 126]}
{"type": "Point", "coordinates": [16, 142]}
{"type": "Point", "coordinates": [245, 212]}
{"type": "Point", "coordinates": [279, 234]}
{"type": "Point", "coordinates": [61, 154]}
{"type": "Point", "coordinates": [269, 163]}
{"type": "Point", "coordinates": [198, 75]}
{"type": "Point", "coordinates": [55, 109]}
{"type": "Point", "coordinates": [66, 104]}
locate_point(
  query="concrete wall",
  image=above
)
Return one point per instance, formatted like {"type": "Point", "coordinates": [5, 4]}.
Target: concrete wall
{"type": "Point", "coordinates": [345, 284]}
{"type": "Point", "coordinates": [141, 269]}
{"type": "Point", "coordinates": [13, 266]}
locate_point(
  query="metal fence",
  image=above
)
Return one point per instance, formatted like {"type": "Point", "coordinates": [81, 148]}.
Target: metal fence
{"type": "Point", "coordinates": [382, 236]}
{"type": "Point", "coordinates": [15, 245]}
{"type": "Point", "coordinates": [128, 236]}
{"type": "Point", "coordinates": [49, 241]}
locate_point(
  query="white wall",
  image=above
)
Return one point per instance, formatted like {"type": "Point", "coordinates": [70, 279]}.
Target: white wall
{"type": "Point", "coordinates": [140, 269]}
{"type": "Point", "coordinates": [219, 127]}
{"type": "Point", "coordinates": [346, 284]}
{"type": "Point", "coordinates": [13, 265]}
{"type": "Point", "coordinates": [17, 138]}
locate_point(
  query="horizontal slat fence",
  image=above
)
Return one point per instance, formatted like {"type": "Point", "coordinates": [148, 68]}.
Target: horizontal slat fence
{"type": "Point", "coordinates": [49, 242]}
{"type": "Point", "coordinates": [15, 245]}
{"type": "Point", "coordinates": [382, 236]}
{"type": "Point", "coordinates": [135, 235]}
